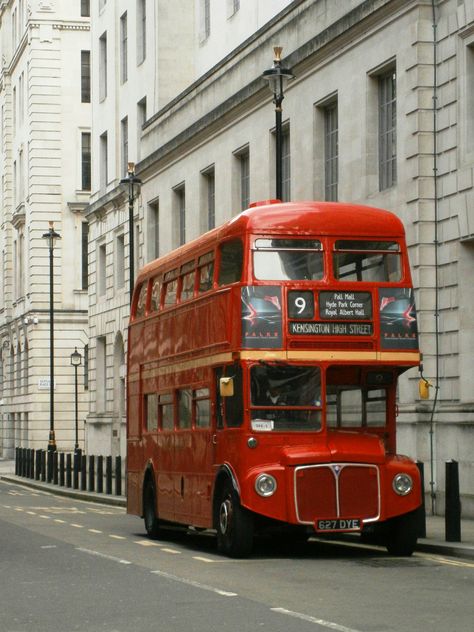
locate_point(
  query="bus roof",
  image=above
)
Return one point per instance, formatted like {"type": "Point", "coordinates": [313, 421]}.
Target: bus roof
{"type": "Point", "coordinates": [293, 218]}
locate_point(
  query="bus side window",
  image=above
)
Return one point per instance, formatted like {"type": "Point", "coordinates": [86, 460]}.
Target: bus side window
{"type": "Point", "coordinates": [151, 412]}
{"type": "Point", "coordinates": [234, 406]}
{"type": "Point", "coordinates": [231, 260]}
{"type": "Point", "coordinates": [202, 408]}
{"type": "Point", "coordinates": [155, 295]}
{"type": "Point", "coordinates": [166, 411]}
{"type": "Point", "coordinates": [185, 409]}
{"type": "Point", "coordinates": [171, 290]}
{"type": "Point", "coordinates": [141, 302]}
{"type": "Point", "coordinates": [205, 272]}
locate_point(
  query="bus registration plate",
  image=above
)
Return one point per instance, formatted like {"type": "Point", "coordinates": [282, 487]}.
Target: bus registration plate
{"type": "Point", "coordinates": [338, 524]}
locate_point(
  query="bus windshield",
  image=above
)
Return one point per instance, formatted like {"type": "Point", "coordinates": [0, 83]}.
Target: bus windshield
{"type": "Point", "coordinates": [285, 397]}
{"type": "Point", "coordinates": [288, 260]}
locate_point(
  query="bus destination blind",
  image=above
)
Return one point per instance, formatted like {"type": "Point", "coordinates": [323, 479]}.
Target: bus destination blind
{"type": "Point", "coordinates": [330, 329]}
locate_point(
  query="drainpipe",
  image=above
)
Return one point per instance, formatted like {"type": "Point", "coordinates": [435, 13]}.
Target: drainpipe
{"type": "Point", "coordinates": [436, 264]}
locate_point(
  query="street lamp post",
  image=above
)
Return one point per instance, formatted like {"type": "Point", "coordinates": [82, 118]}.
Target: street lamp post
{"type": "Point", "coordinates": [76, 359]}
{"type": "Point", "coordinates": [277, 78]}
{"type": "Point", "coordinates": [132, 183]}
{"type": "Point", "coordinates": [51, 236]}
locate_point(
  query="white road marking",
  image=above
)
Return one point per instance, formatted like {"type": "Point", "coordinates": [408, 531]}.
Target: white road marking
{"type": "Point", "coordinates": [172, 551]}
{"type": "Point", "coordinates": [117, 537]}
{"type": "Point", "coordinates": [78, 526]}
{"type": "Point", "coordinates": [203, 559]}
{"type": "Point", "coordinates": [49, 546]}
{"type": "Point", "coordinates": [190, 582]}
{"type": "Point", "coordinates": [147, 543]}
{"type": "Point", "coordinates": [60, 521]}
{"type": "Point", "coordinates": [326, 624]}
{"type": "Point", "coordinates": [94, 531]}
{"type": "Point", "coordinates": [103, 555]}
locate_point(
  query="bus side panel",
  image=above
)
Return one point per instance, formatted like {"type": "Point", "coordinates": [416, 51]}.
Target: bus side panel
{"type": "Point", "coordinates": [201, 325]}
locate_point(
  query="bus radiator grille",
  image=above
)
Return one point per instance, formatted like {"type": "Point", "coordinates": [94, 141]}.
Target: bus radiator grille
{"type": "Point", "coordinates": [345, 490]}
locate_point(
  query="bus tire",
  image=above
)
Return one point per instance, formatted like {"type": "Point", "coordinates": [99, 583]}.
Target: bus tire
{"type": "Point", "coordinates": [402, 534]}
{"type": "Point", "coordinates": [234, 524]}
{"type": "Point", "coordinates": [150, 515]}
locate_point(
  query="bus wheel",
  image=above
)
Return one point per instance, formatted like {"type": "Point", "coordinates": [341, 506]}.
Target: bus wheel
{"type": "Point", "coordinates": [402, 534]}
{"type": "Point", "coordinates": [234, 524]}
{"type": "Point", "coordinates": [150, 516]}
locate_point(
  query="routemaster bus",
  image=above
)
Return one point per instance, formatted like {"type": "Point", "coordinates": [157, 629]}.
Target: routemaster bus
{"type": "Point", "coordinates": [263, 360]}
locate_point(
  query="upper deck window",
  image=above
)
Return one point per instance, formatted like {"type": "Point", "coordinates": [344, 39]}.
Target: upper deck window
{"type": "Point", "coordinates": [231, 261]}
{"type": "Point", "coordinates": [171, 287]}
{"type": "Point", "coordinates": [205, 272]}
{"type": "Point", "coordinates": [288, 260]}
{"type": "Point", "coordinates": [141, 302]}
{"type": "Point", "coordinates": [155, 295]}
{"type": "Point", "coordinates": [372, 261]}
{"type": "Point", "coordinates": [187, 281]}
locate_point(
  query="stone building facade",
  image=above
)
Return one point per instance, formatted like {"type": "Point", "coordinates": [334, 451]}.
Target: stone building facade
{"type": "Point", "coordinates": [380, 113]}
{"type": "Point", "coordinates": [45, 176]}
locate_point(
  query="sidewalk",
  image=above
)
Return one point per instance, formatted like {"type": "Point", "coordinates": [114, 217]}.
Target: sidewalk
{"type": "Point", "coordinates": [435, 525]}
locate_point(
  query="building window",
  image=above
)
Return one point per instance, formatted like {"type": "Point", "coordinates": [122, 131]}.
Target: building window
{"type": "Point", "coordinates": [84, 255]}
{"type": "Point", "coordinates": [180, 199]}
{"type": "Point", "coordinates": [85, 76]}
{"type": "Point", "coordinates": [101, 374]}
{"type": "Point", "coordinates": [14, 109]}
{"type": "Point", "coordinates": [85, 8]}
{"type": "Point", "coordinates": [243, 158]}
{"type": "Point", "coordinates": [153, 230]}
{"type": "Point", "coordinates": [141, 31]}
{"type": "Point", "coordinates": [86, 161]}
{"type": "Point", "coordinates": [101, 270]}
{"type": "Point", "coordinates": [331, 151]}
{"type": "Point", "coordinates": [205, 19]}
{"type": "Point", "coordinates": [387, 99]}
{"type": "Point", "coordinates": [120, 261]}
{"type": "Point", "coordinates": [123, 48]}
{"type": "Point", "coordinates": [103, 66]}
{"type": "Point", "coordinates": [141, 118]}
{"type": "Point", "coordinates": [104, 168]}
{"type": "Point", "coordinates": [124, 143]}
{"type": "Point", "coordinates": [232, 7]}
{"type": "Point", "coordinates": [211, 198]}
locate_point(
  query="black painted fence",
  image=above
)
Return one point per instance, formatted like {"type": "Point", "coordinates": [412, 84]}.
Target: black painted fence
{"type": "Point", "coordinates": [74, 470]}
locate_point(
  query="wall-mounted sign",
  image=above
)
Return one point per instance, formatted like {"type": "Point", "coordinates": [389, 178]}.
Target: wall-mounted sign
{"type": "Point", "coordinates": [44, 384]}
{"type": "Point", "coordinates": [345, 305]}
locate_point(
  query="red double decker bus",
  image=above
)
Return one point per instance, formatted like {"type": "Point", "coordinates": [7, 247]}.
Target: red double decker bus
{"type": "Point", "coordinates": [263, 360]}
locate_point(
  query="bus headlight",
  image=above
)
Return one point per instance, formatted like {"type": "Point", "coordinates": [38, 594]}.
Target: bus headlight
{"type": "Point", "coordinates": [402, 484]}
{"type": "Point", "coordinates": [265, 485]}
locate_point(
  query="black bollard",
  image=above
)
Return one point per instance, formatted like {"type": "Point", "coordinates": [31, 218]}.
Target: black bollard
{"type": "Point", "coordinates": [38, 465]}
{"type": "Point", "coordinates": [61, 469]}
{"type": "Point", "coordinates": [91, 473]}
{"type": "Point", "coordinates": [68, 470]}
{"type": "Point", "coordinates": [50, 466]}
{"type": "Point", "coordinates": [118, 475]}
{"type": "Point", "coordinates": [422, 511]}
{"type": "Point", "coordinates": [108, 475]}
{"type": "Point", "coordinates": [17, 461]}
{"type": "Point", "coordinates": [55, 467]}
{"type": "Point", "coordinates": [77, 462]}
{"type": "Point", "coordinates": [452, 515]}
{"type": "Point", "coordinates": [43, 465]}
{"type": "Point", "coordinates": [100, 474]}
{"type": "Point", "coordinates": [83, 472]}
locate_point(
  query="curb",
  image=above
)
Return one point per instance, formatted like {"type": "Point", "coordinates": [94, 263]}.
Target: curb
{"type": "Point", "coordinates": [104, 499]}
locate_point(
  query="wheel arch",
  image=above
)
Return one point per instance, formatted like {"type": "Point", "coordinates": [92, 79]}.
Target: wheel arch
{"type": "Point", "coordinates": [223, 476]}
{"type": "Point", "coordinates": [148, 477]}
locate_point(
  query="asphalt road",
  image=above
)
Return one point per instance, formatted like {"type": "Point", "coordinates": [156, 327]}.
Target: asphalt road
{"type": "Point", "coordinates": [67, 565]}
